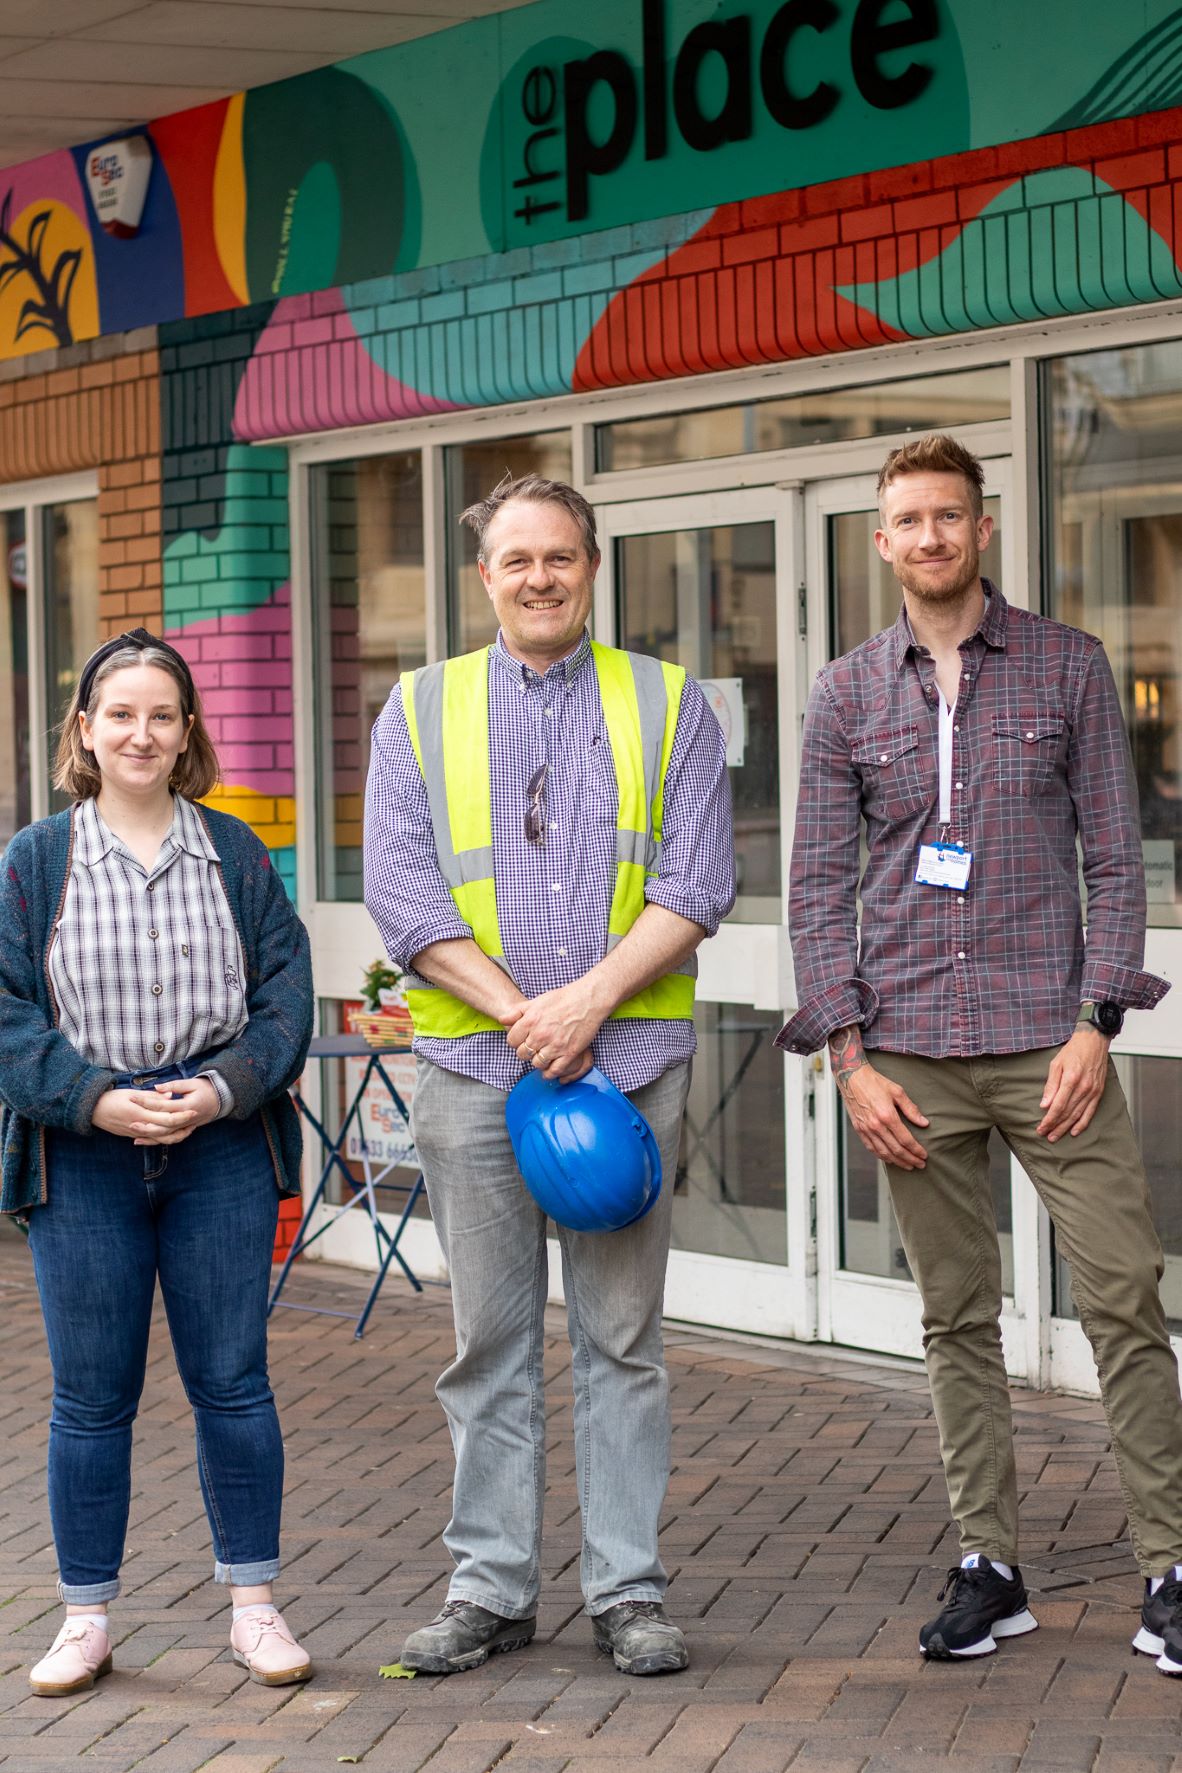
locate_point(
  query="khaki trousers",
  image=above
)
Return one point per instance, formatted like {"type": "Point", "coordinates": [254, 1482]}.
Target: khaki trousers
{"type": "Point", "coordinates": [1094, 1189]}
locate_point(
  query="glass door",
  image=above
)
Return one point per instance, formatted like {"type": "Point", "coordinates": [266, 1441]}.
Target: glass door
{"type": "Point", "coordinates": [866, 1295]}
{"type": "Point", "coordinates": [707, 583]}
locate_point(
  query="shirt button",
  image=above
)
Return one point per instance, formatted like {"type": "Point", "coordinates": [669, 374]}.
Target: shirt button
{"type": "Point", "coordinates": [961, 955]}
{"type": "Point", "coordinates": [956, 729]}
{"type": "Point", "coordinates": [153, 935]}
{"type": "Point", "coordinates": [549, 714]}
{"type": "Point", "coordinates": [159, 1047]}
{"type": "Point", "coordinates": [185, 945]}
{"type": "Point", "coordinates": [960, 784]}
{"type": "Point", "coordinates": [884, 758]}
{"type": "Point", "coordinates": [1030, 735]}
{"type": "Point", "coordinates": [555, 886]}
{"type": "Point", "coordinates": [562, 953]}
{"type": "Point", "coordinates": [151, 885]}
{"type": "Point", "coordinates": [156, 990]}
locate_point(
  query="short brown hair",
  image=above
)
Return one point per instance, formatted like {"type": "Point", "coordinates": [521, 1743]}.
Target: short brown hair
{"type": "Point", "coordinates": [196, 772]}
{"type": "Point", "coordinates": [936, 453]}
{"type": "Point", "coordinates": [534, 489]}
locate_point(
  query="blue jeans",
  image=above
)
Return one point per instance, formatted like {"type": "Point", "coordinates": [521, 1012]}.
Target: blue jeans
{"type": "Point", "coordinates": [202, 1215]}
{"type": "Point", "coordinates": [494, 1240]}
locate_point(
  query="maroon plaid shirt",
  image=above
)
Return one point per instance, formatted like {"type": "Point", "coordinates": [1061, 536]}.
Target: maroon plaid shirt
{"type": "Point", "coordinates": [1040, 756]}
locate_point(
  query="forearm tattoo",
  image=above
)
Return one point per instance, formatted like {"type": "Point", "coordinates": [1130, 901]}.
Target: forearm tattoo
{"type": "Point", "coordinates": [846, 1054]}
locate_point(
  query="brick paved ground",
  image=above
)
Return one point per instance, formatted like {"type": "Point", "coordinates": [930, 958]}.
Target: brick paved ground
{"type": "Point", "coordinates": [806, 1535]}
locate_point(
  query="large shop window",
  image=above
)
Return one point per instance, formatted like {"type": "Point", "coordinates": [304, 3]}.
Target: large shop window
{"type": "Point", "coordinates": [49, 624]}
{"type": "Point", "coordinates": [803, 421]}
{"type": "Point", "coordinates": [1114, 466]}
{"type": "Point", "coordinates": [472, 470]}
{"type": "Point", "coordinates": [369, 614]}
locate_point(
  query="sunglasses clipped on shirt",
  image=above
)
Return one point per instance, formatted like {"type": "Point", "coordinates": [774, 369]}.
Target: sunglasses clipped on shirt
{"type": "Point", "coordinates": [535, 805]}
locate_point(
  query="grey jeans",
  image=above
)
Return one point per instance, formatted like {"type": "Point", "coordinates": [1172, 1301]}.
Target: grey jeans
{"type": "Point", "coordinates": [494, 1241]}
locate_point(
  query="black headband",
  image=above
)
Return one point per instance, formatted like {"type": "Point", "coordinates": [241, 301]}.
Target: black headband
{"type": "Point", "coordinates": [141, 640]}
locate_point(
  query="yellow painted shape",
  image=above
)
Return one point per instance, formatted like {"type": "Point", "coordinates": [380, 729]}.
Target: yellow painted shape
{"type": "Point", "coordinates": [272, 817]}
{"type": "Point", "coordinates": [64, 232]}
{"type": "Point", "coordinates": [229, 200]}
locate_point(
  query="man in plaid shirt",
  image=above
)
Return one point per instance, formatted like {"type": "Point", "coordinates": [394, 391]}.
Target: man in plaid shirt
{"type": "Point", "coordinates": [973, 745]}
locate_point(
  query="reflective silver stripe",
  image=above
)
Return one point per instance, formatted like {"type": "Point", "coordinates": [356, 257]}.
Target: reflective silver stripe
{"type": "Point", "coordinates": [633, 846]}
{"type": "Point", "coordinates": [688, 967]}
{"type": "Point", "coordinates": [467, 865]}
{"type": "Point", "coordinates": [651, 699]}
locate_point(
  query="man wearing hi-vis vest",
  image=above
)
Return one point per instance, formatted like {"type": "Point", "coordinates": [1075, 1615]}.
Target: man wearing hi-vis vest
{"type": "Point", "coordinates": [548, 839]}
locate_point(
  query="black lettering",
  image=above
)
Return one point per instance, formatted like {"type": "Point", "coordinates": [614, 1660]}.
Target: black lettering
{"type": "Point", "coordinates": [531, 208]}
{"type": "Point", "coordinates": [586, 158]}
{"type": "Point", "coordinates": [792, 110]}
{"type": "Point", "coordinates": [870, 39]}
{"type": "Point", "coordinates": [730, 40]}
{"type": "Point", "coordinates": [535, 175]}
{"type": "Point", "coordinates": [652, 37]}
{"type": "Point", "coordinates": [539, 94]}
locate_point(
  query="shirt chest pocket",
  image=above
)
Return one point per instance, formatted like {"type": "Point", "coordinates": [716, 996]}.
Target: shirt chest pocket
{"type": "Point", "coordinates": [1029, 751]}
{"type": "Point", "coordinates": [897, 776]}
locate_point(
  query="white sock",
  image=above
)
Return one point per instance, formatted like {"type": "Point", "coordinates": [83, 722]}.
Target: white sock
{"type": "Point", "coordinates": [974, 1558]}
{"type": "Point", "coordinates": [253, 1607]}
{"type": "Point", "coordinates": [99, 1619]}
{"type": "Point", "coordinates": [1155, 1583]}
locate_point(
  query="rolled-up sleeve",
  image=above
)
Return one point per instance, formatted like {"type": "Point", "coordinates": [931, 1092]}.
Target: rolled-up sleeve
{"type": "Point", "coordinates": [822, 896]}
{"type": "Point", "coordinates": [696, 872]}
{"type": "Point", "coordinates": [405, 892]}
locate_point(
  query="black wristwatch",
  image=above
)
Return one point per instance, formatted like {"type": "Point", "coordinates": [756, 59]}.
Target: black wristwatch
{"type": "Point", "coordinates": [1107, 1016]}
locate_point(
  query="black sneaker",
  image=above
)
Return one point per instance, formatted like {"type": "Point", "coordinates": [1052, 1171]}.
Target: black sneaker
{"type": "Point", "coordinates": [1161, 1625]}
{"type": "Point", "coordinates": [463, 1636]}
{"type": "Point", "coordinates": [981, 1606]}
{"type": "Point", "coordinates": [640, 1639]}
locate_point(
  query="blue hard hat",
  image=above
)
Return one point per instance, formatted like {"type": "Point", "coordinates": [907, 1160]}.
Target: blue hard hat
{"type": "Point", "coordinates": [586, 1154]}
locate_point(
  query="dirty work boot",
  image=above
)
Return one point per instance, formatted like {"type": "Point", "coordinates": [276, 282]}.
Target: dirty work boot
{"type": "Point", "coordinates": [462, 1636]}
{"type": "Point", "coordinates": [640, 1639]}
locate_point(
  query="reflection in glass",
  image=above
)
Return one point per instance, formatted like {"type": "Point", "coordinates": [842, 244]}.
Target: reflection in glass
{"type": "Point", "coordinates": [472, 470]}
{"type": "Point", "coordinates": [706, 599]}
{"type": "Point", "coordinates": [1153, 1089]}
{"type": "Point", "coordinates": [70, 542]}
{"type": "Point", "coordinates": [864, 592]}
{"type": "Point", "coordinates": [15, 804]}
{"type": "Point", "coordinates": [369, 610]}
{"type": "Point", "coordinates": [1115, 544]}
{"type": "Point", "coordinates": [796, 421]}
{"type": "Point", "coordinates": [870, 1241]}
{"type": "Point", "coordinates": [729, 1192]}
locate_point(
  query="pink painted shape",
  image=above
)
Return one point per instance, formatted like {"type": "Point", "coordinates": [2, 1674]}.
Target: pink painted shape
{"type": "Point", "coordinates": [329, 382]}
{"type": "Point", "coordinates": [246, 690]}
{"type": "Point", "coordinates": [52, 178]}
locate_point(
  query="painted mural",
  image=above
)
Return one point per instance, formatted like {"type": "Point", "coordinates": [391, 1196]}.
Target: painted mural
{"type": "Point", "coordinates": [361, 171]}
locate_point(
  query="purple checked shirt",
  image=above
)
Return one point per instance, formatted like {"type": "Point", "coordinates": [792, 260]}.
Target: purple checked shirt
{"type": "Point", "coordinates": [1040, 757]}
{"type": "Point", "coordinates": [553, 899]}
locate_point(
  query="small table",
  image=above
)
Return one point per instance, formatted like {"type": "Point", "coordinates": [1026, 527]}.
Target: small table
{"type": "Point", "coordinates": [352, 1046]}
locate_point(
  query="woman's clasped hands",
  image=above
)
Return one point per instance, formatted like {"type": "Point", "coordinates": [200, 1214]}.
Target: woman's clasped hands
{"type": "Point", "coordinates": [161, 1116]}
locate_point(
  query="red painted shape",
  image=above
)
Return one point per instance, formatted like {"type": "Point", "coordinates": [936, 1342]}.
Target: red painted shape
{"type": "Point", "coordinates": [187, 143]}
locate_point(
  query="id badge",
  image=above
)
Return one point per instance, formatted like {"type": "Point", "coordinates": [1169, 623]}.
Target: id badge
{"type": "Point", "coordinates": [944, 865]}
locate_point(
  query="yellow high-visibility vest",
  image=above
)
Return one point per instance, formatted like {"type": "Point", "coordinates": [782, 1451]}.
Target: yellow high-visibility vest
{"type": "Point", "coordinates": [446, 709]}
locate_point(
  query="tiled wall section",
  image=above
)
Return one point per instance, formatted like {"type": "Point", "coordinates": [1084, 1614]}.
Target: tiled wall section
{"type": "Point", "coordinates": [97, 406]}
{"type": "Point", "coordinates": [226, 571]}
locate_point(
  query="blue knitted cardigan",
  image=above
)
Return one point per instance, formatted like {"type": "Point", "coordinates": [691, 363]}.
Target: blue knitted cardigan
{"type": "Point", "coordinates": [45, 1082]}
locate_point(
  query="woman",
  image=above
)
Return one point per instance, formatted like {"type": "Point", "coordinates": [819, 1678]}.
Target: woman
{"type": "Point", "coordinates": [155, 1005]}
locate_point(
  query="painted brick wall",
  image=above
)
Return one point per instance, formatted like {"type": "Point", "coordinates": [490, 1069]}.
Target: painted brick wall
{"type": "Point", "coordinates": [97, 406]}
{"type": "Point", "coordinates": [226, 571]}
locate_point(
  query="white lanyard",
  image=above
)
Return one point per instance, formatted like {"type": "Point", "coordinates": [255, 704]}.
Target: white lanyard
{"type": "Point", "coordinates": [945, 807]}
